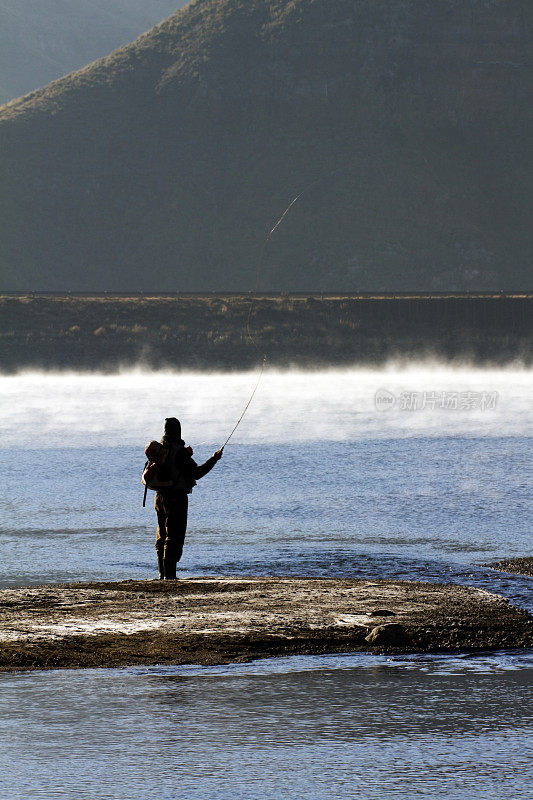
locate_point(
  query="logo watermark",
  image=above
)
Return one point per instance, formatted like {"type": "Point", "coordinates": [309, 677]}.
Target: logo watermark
{"type": "Point", "coordinates": [386, 400]}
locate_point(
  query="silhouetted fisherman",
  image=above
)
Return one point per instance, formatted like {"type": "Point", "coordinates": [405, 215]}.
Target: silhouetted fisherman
{"type": "Point", "coordinates": [177, 473]}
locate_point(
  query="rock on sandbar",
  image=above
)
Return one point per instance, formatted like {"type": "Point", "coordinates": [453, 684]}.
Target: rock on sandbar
{"type": "Point", "coordinates": [221, 620]}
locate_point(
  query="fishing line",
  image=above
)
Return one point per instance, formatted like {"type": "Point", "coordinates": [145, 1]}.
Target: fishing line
{"type": "Point", "coordinates": [269, 235]}
{"type": "Point", "coordinates": [254, 297]}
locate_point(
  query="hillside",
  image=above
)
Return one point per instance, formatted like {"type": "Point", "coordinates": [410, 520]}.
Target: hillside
{"type": "Point", "coordinates": [160, 167]}
{"type": "Point", "coordinates": [42, 41]}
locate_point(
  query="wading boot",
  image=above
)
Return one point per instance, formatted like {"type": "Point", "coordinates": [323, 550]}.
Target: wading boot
{"type": "Point", "coordinates": [160, 566]}
{"type": "Point", "coordinates": [170, 569]}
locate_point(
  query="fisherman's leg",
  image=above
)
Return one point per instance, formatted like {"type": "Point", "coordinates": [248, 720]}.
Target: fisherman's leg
{"type": "Point", "coordinates": [176, 527]}
{"type": "Point", "coordinates": [161, 534]}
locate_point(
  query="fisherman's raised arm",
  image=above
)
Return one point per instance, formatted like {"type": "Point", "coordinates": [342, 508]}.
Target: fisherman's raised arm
{"type": "Point", "coordinates": [199, 470]}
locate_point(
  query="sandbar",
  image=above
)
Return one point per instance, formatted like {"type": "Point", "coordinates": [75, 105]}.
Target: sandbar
{"type": "Point", "coordinates": [215, 620]}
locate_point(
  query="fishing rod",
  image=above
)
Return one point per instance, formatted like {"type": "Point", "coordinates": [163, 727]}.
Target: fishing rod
{"type": "Point", "coordinates": [249, 333]}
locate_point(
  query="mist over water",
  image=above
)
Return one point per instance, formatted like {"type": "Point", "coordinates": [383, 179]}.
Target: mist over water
{"type": "Point", "coordinates": [42, 409]}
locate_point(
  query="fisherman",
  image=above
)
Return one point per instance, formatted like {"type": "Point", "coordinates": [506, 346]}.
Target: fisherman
{"type": "Point", "coordinates": [172, 472]}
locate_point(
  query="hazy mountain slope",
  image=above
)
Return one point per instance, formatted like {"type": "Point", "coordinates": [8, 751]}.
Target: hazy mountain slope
{"type": "Point", "coordinates": [161, 166]}
{"type": "Point", "coordinates": [41, 40]}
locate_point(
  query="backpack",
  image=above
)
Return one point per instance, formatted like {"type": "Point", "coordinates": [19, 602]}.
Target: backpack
{"type": "Point", "coordinates": [167, 475]}
{"type": "Point", "coordinates": [152, 480]}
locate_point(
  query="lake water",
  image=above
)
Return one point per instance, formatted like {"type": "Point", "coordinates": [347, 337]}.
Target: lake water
{"type": "Point", "coordinates": [413, 471]}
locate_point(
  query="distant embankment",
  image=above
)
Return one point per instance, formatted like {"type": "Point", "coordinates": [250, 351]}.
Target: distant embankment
{"type": "Point", "coordinates": [208, 331]}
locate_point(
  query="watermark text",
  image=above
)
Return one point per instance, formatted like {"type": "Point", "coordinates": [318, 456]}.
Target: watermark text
{"type": "Point", "coordinates": [386, 400]}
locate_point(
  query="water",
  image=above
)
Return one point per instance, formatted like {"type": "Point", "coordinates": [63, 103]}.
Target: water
{"type": "Point", "coordinates": [320, 727]}
{"type": "Point", "coordinates": [316, 481]}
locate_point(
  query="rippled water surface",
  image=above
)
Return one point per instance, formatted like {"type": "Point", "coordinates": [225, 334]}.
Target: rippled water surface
{"type": "Point", "coordinates": [317, 481]}
{"type": "Point", "coordinates": [353, 726]}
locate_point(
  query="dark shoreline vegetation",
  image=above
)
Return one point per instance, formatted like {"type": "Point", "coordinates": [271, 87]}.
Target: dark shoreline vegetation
{"type": "Point", "coordinates": [227, 619]}
{"type": "Point", "coordinates": [207, 331]}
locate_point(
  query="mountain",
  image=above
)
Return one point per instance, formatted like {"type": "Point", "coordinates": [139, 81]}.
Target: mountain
{"type": "Point", "coordinates": [406, 124]}
{"type": "Point", "coordinates": [41, 41]}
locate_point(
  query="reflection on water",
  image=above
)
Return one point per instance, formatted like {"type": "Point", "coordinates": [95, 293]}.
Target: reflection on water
{"type": "Point", "coordinates": [346, 726]}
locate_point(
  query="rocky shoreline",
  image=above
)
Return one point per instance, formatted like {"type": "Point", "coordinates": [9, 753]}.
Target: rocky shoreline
{"type": "Point", "coordinates": [518, 566]}
{"type": "Point", "coordinates": [224, 620]}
